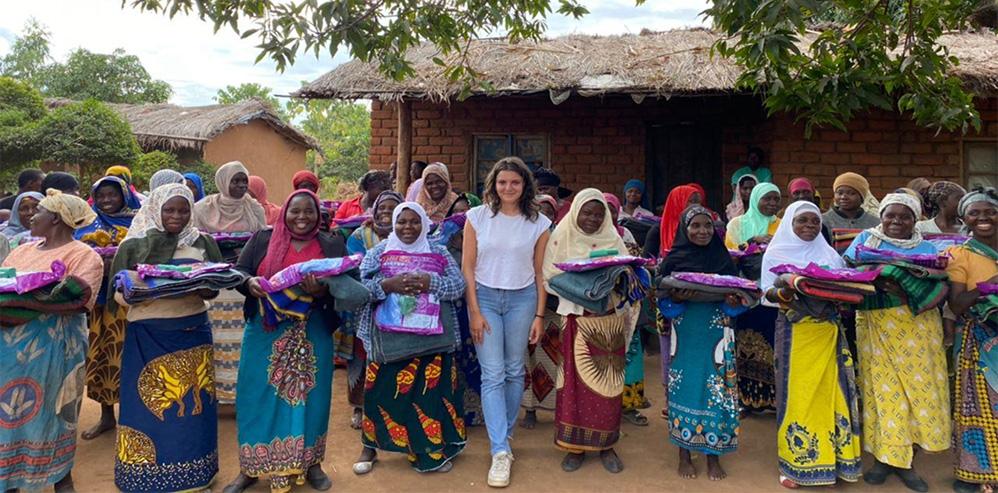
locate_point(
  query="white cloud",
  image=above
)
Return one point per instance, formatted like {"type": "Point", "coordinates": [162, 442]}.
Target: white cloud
{"type": "Point", "coordinates": [197, 62]}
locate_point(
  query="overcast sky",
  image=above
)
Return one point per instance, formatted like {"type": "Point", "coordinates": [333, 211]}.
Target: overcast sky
{"type": "Point", "coordinates": [196, 62]}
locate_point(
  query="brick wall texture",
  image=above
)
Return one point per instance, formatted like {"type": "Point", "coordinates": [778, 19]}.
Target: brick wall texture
{"type": "Point", "coordinates": [601, 142]}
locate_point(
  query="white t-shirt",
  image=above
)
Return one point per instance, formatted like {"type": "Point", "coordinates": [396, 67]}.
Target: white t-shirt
{"type": "Point", "coordinates": [505, 247]}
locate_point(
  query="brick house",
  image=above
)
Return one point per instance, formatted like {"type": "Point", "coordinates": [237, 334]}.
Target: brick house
{"type": "Point", "coordinates": [655, 106]}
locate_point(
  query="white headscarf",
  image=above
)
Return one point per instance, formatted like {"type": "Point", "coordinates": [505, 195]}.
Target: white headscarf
{"type": "Point", "coordinates": [788, 248]}
{"type": "Point", "coordinates": [150, 216]}
{"type": "Point", "coordinates": [421, 245]}
{"type": "Point", "coordinates": [220, 213]}
{"type": "Point", "coordinates": [164, 177]}
{"type": "Point", "coordinates": [877, 234]}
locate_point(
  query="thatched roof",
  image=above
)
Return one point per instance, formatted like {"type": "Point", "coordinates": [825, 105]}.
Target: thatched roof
{"type": "Point", "coordinates": [665, 63]}
{"type": "Point", "coordinates": [167, 127]}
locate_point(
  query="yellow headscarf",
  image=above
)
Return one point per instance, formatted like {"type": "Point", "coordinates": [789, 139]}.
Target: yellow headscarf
{"type": "Point", "coordinates": [121, 172]}
{"type": "Point", "coordinates": [72, 210]}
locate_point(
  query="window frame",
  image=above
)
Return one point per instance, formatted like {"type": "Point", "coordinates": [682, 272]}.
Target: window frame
{"type": "Point", "coordinates": [965, 174]}
{"type": "Point", "coordinates": [511, 138]}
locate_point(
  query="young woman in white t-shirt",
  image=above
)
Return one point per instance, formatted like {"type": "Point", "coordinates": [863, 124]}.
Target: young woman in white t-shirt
{"type": "Point", "coordinates": [504, 243]}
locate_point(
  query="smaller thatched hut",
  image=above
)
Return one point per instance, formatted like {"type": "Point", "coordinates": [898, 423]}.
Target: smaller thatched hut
{"type": "Point", "coordinates": [249, 131]}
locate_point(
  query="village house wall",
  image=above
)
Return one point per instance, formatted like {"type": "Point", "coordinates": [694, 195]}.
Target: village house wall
{"type": "Point", "coordinates": [263, 151]}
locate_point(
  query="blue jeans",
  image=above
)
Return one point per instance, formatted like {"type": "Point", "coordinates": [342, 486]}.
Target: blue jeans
{"type": "Point", "coordinates": [502, 355]}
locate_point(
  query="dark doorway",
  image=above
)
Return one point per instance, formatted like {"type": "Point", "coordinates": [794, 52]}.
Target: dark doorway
{"type": "Point", "coordinates": [680, 153]}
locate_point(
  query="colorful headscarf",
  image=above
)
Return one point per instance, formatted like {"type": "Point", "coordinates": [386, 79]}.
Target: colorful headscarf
{"type": "Point", "coordinates": [72, 210]}
{"type": "Point", "coordinates": [14, 226]}
{"type": "Point", "coordinates": [984, 194]}
{"type": "Point", "coordinates": [613, 203]}
{"type": "Point", "coordinates": [754, 222]}
{"type": "Point", "coordinates": [422, 244]}
{"type": "Point", "coordinates": [877, 234]}
{"type": "Point", "coordinates": [569, 242]}
{"type": "Point", "coordinates": [150, 216]}
{"type": "Point", "coordinates": [437, 211]}
{"type": "Point", "coordinates": [115, 225]}
{"type": "Point", "coordinates": [859, 184]}
{"type": "Point", "coordinates": [638, 184]}
{"type": "Point", "coordinates": [196, 180]}
{"type": "Point", "coordinates": [126, 174]}
{"type": "Point", "coordinates": [685, 256]}
{"type": "Point", "coordinates": [788, 248]}
{"type": "Point", "coordinates": [736, 208]}
{"type": "Point", "coordinates": [164, 177]}
{"type": "Point", "coordinates": [258, 188]}
{"type": "Point", "coordinates": [305, 176]}
{"type": "Point", "coordinates": [280, 240]}
{"type": "Point", "coordinates": [798, 184]}
{"type": "Point", "coordinates": [383, 230]}
{"type": "Point", "coordinates": [221, 213]}
{"type": "Point", "coordinates": [675, 204]}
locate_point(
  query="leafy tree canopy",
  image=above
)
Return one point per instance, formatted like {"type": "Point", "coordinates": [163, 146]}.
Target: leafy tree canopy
{"type": "Point", "coordinates": [875, 53]}
{"type": "Point", "coordinates": [28, 55]}
{"type": "Point", "coordinates": [250, 90]}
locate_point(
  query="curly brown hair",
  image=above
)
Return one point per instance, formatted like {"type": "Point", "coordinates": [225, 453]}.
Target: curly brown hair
{"type": "Point", "coordinates": [528, 206]}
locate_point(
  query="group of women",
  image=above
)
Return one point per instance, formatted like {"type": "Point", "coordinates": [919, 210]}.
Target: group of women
{"type": "Point", "coordinates": [842, 380]}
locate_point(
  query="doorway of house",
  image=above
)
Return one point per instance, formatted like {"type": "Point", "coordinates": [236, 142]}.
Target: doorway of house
{"type": "Point", "coordinates": [684, 152]}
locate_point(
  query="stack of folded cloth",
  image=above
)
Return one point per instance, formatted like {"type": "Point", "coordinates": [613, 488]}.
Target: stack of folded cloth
{"type": "Point", "coordinates": [231, 240]}
{"type": "Point", "coordinates": [446, 229]}
{"type": "Point", "coordinates": [711, 287]}
{"type": "Point", "coordinates": [602, 284]}
{"type": "Point", "coordinates": [286, 299]}
{"type": "Point", "coordinates": [835, 285]}
{"type": "Point", "coordinates": [26, 296]}
{"type": "Point", "coordinates": [843, 237]}
{"type": "Point", "coordinates": [986, 308]}
{"type": "Point", "coordinates": [943, 241]}
{"type": "Point", "coordinates": [149, 282]}
{"type": "Point", "coordinates": [921, 277]}
{"type": "Point", "coordinates": [353, 222]}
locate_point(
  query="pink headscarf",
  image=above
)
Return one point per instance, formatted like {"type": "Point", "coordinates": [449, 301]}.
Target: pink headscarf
{"type": "Point", "coordinates": [258, 188]}
{"type": "Point", "coordinates": [614, 203]}
{"type": "Point", "coordinates": [281, 238]}
{"type": "Point", "coordinates": [798, 184]}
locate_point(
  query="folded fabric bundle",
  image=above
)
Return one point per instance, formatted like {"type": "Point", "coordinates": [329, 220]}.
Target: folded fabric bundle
{"type": "Point", "coordinates": [69, 295]}
{"type": "Point", "coordinates": [135, 289]}
{"type": "Point", "coordinates": [815, 271]}
{"type": "Point", "coordinates": [925, 288]}
{"type": "Point", "coordinates": [834, 291]}
{"type": "Point", "coordinates": [107, 251]}
{"type": "Point", "coordinates": [351, 222]}
{"type": "Point", "coordinates": [446, 229]}
{"type": "Point", "coordinates": [388, 347]}
{"type": "Point", "coordinates": [231, 240]}
{"type": "Point", "coordinates": [293, 302]}
{"type": "Point", "coordinates": [183, 271]}
{"type": "Point", "coordinates": [986, 288]}
{"type": "Point", "coordinates": [710, 287]}
{"type": "Point", "coordinates": [943, 241]}
{"type": "Point", "coordinates": [751, 249]}
{"type": "Point", "coordinates": [867, 255]}
{"type": "Point", "coordinates": [13, 282]}
{"type": "Point", "coordinates": [843, 237]}
{"type": "Point", "coordinates": [986, 310]}
{"type": "Point", "coordinates": [586, 264]}
{"type": "Point", "coordinates": [320, 268]}
{"type": "Point", "coordinates": [601, 290]}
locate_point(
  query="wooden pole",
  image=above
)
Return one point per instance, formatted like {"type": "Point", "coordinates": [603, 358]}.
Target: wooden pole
{"type": "Point", "coordinates": [404, 146]}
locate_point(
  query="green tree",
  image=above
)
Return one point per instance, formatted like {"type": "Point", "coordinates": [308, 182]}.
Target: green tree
{"type": "Point", "coordinates": [250, 90]}
{"type": "Point", "coordinates": [29, 55]}
{"type": "Point", "coordinates": [343, 130]}
{"type": "Point", "coordinates": [115, 78]}
{"type": "Point", "coordinates": [872, 56]}
{"type": "Point", "coordinates": [20, 107]}
{"type": "Point", "coordinates": [148, 163]}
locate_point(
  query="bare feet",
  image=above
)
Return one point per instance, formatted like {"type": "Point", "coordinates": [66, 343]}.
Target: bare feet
{"type": "Point", "coordinates": [686, 468]}
{"type": "Point", "coordinates": [317, 478]}
{"type": "Point", "coordinates": [714, 470]}
{"type": "Point", "coordinates": [106, 423]}
{"type": "Point", "coordinates": [65, 485]}
{"type": "Point", "coordinates": [529, 420]}
{"type": "Point", "coordinates": [356, 418]}
{"type": "Point", "coordinates": [239, 484]}
{"type": "Point", "coordinates": [610, 461]}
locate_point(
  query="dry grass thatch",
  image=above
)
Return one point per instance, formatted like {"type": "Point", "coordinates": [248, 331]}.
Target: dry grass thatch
{"type": "Point", "coordinates": [171, 128]}
{"type": "Point", "coordinates": [658, 64]}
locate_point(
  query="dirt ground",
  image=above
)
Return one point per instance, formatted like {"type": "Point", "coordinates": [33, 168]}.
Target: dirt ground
{"type": "Point", "coordinates": [649, 460]}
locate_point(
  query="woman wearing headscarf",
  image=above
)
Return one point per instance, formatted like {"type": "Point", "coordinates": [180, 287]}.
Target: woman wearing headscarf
{"type": "Point", "coordinates": [436, 196]}
{"type": "Point", "coordinates": [634, 199]}
{"type": "Point", "coordinates": [902, 362]}
{"type": "Point", "coordinates": [548, 207]}
{"type": "Point", "coordinates": [258, 190]}
{"type": "Point", "coordinates": [741, 189]}
{"type": "Point", "coordinates": [678, 200]}
{"type": "Point", "coordinates": [371, 185]}
{"type": "Point", "coordinates": [589, 399]}
{"type": "Point", "coordinates": [306, 180]}
{"type": "Point", "coordinates": [817, 406]}
{"type": "Point", "coordinates": [164, 177]}
{"type": "Point", "coordinates": [42, 360]}
{"type": "Point", "coordinates": [944, 196]}
{"type": "Point", "coordinates": [196, 186]}
{"type": "Point", "coordinates": [231, 210]}
{"type": "Point", "coordinates": [701, 382]}
{"type": "Point", "coordinates": [19, 224]}
{"type": "Point", "coordinates": [126, 174]}
{"type": "Point", "coordinates": [286, 371]}
{"type": "Point", "coordinates": [976, 398]}
{"type": "Point", "coordinates": [167, 435]}
{"type": "Point", "coordinates": [111, 197]}
{"type": "Point", "coordinates": [412, 404]}
{"type": "Point", "coordinates": [759, 222]}
{"type": "Point", "coordinates": [853, 206]}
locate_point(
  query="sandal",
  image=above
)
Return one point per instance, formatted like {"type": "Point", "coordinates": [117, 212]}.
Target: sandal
{"type": "Point", "coordinates": [635, 418]}
{"type": "Point", "coordinates": [645, 404]}
{"type": "Point", "coordinates": [788, 483]}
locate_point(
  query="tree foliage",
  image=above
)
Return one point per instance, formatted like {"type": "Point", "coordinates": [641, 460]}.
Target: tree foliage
{"type": "Point", "coordinates": [343, 130]}
{"type": "Point", "coordinates": [29, 54]}
{"type": "Point", "coordinates": [876, 53]}
{"type": "Point", "coordinates": [250, 90]}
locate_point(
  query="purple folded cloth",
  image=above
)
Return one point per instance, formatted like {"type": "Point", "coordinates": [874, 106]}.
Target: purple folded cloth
{"type": "Point", "coordinates": [647, 218]}
{"type": "Point", "coordinates": [717, 280]}
{"type": "Point", "coordinates": [323, 267]}
{"type": "Point", "coordinates": [814, 271]}
{"type": "Point", "coordinates": [587, 264]}
{"type": "Point", "coordinates": [866, 254]}
{"type": "Point", "coordinates": [943, 241]}
{"type": "Point", "coordinates": [986, 288]}
{"type": "Point", "coordinates": [752, 249]}
{"type": "Point", "coordinates": [185, 271]}
{"type": "Point", "coordinates": [30, 281]}
{"type": "Point", "coordinates": [107, 251]}
{"type": "Point", "coordinates": [231, 236]}
{"type": "Point", "coordinates": [351, 222]}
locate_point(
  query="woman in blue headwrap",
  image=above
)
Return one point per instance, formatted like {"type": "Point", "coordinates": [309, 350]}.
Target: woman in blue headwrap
{"type": "Point", "coordinates": [634, 199]}
{"type": "Point", "coordinates": [193, 182]}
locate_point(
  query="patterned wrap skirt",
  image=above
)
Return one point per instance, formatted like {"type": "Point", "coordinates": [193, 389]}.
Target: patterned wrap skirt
{"type": "Point", "coordinates": [107, 338]}
{"type": "Point", "coordinates": [543, 364]}
{"type": "Point", "coordinates": [975, 436]}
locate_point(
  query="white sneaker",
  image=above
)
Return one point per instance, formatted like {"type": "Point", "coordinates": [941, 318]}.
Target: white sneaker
{"type": "Point", "coordinates": [499, 472]}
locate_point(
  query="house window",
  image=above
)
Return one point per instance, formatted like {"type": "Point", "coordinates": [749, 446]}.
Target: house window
{"type": "Point", "coordinates": [980, 159]}
{"type": "Point", "coordinates": [489, 148]}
